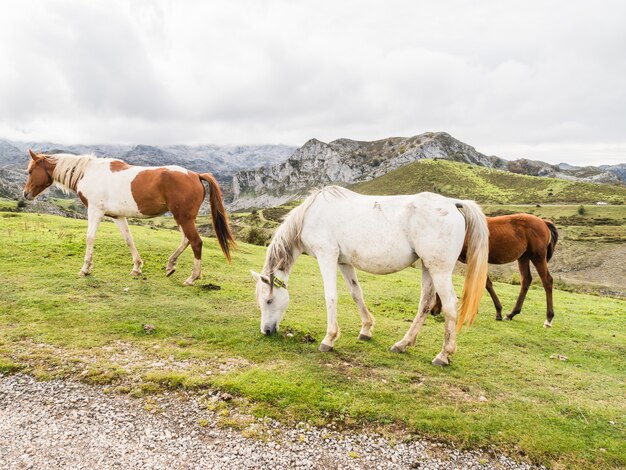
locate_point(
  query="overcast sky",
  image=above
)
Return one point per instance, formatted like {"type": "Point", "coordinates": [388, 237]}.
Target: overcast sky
{"type": "Point", "coordinates": [543, 80]}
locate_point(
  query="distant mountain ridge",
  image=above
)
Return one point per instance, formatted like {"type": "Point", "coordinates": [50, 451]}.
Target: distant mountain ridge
{"type": "Point", "coordinates": [222, 161]}
{"type": "Point", "coordinates": [346, 162]}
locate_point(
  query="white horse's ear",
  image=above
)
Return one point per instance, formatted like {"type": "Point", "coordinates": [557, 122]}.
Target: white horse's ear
{"type": "Point", "coordinates": [260, 277]}
{"type": "Point", "coordinates": [33, 155]}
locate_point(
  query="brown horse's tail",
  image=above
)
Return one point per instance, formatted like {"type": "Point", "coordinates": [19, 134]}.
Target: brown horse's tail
{"type": "Point", "coordinates": [219, 216]}
{"type": "Point", "coordinates": [477, 236]}
{"type": "Point", "coordinates": [554, 237]}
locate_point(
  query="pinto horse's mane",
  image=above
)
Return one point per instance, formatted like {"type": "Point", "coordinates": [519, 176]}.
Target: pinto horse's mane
{"type": "Point", "coordinates": [69, 169]}
{"type": "Point", "coordinates": [280, 253]}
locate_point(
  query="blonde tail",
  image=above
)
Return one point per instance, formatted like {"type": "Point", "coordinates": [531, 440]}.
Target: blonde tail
{"type": "Point", "coordinates": [477, 236]}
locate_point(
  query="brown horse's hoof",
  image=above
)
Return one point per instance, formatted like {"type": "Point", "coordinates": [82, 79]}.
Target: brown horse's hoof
{"type": "Point", "coordinates": [499, 318]}
{"type": "Point", "coordinates": [363, 337]}
{"type": "Point", "coordinates": [439, 363]}
{"type": "Point", "coordinates": [325, 348]}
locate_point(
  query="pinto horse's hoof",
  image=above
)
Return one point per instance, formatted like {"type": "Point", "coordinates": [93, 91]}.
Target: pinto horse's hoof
{"type": "Point", "coordinates": [325, 348]}
{"type": "Point", "coordinates": [363, 337]}
{"type": "Point", "coordinates": [547, 324]}
{"type": "Point", "coordinates": [169, 272]}
{"type": "Point", "coordinates": [439, 363]}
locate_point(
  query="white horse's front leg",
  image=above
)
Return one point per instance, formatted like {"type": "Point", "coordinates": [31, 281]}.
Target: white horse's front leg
{"type": "Point", "coordinates": [328, 268]}
{"type": "Point", "coordinates": [93, 217]}
{"type": "Point", "coordinates": [122, 225]}
{"type": "Point", "coordinates": [367, 320]}
{"type": "Point", "coordinates": [427, 300]}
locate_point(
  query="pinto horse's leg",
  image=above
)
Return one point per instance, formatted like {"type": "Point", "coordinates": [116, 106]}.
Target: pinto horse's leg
{"type": "Point", "coordinates": [542, 269]}
{"type": "Point", "coordinates": [122, 225]}
{"type": "Point", "coordinates": [190, 231]}
{"type": "Point", "coordinates": [525, 278]}
{"type": "Point", "coordinates": [442, 281]}
{"type": "Point", "coordinates": [171, 262]}
{"type": "Point", "coordinates": [496, 300]}
{"type": "Point", "coordinates": [367, 320]}
{"type": "Point", "coordinates": [427, 301]}
{"type": "Point", "coordinates": [93, 217]}
{"type": "Point", "coordinates": [328, 268]}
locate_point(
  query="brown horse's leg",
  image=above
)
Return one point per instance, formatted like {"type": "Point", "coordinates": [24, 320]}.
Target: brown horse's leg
{"type": "Point", "coordinates": [496, 300]}
{"type": "Point", "coordinates": [542, 269]}
{"type": "Point", "coordinates": [171, 262]}
{"type": "Point", "coordinates": [525, 278]}
{"type": "Point", "coordinates": [436, 310]}
{"type": "Point", "coordinates": [191, 233]}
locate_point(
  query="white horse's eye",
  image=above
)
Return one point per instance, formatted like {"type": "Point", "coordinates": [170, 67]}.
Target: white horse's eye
{"type": "Point", "coordinates": [270, 301]}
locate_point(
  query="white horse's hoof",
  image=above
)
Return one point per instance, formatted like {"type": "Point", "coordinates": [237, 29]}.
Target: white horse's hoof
{"type": "Point", "coordinates": [135, 273]}
{"type": "Point", "coordinates": [83, 273]}
{"type": "Point", "coordinates": [325, 348]}
{"type": "Point", "coordinates": [188, 282]}
{"type": "Point", "coordinates": [398, 348]}
{"type": "Point", "coordinates": [169, 271]}
{"type": "Point", "coordinates": [440, 363]}
{"type": "Point", "coordinates": [363, 337]}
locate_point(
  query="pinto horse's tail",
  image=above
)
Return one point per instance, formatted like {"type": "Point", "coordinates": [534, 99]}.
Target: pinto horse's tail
{"type": "Point", "coordinates": [554, 237]}
{"type": "Point", "coordinates": [477, 237]}
{"type": "Point", "coordinates": [219, 216]}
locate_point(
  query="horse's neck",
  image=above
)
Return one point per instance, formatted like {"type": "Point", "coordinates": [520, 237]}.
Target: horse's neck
{"type": "Point", "coordinates": [285, 271]}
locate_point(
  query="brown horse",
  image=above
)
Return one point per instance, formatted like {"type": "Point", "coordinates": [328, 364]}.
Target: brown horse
{"type": "Point", "coordinates": [114, 188]}
{"type": "Point", "coordinates": [527, 239]}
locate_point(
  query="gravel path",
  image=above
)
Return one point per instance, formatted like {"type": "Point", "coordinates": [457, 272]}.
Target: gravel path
{"type": "Point", "coordinates": [64, 424]}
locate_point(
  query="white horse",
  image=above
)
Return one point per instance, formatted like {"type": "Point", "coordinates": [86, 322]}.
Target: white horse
{"type": "Point", "coordinates": [379, 235]}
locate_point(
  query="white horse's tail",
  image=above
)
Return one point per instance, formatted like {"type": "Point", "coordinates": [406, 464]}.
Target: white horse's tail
{"type": "Point", "coordinates": [477, 237]}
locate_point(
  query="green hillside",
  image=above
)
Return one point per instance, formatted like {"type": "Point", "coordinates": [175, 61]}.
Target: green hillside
{"type": "Point", "coordinates": [487, 185]}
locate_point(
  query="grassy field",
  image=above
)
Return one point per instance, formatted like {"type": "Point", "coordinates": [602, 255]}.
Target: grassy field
{"type": "Point", "coordinates": [487, 185]}
{"type": "Point", "coordinates": [503, 389]}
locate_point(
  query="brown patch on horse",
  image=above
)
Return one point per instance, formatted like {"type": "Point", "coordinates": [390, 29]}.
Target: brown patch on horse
{"type": "Point", "coordinates": [118, 165]}
{"type": "Point", "coordinates": [83, 199]}
{"type": "Point", "coordinates": [149, 192]}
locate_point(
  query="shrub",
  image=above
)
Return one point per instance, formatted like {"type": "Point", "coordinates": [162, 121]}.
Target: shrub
{"type": "Point", "coordinates": [581, 210]}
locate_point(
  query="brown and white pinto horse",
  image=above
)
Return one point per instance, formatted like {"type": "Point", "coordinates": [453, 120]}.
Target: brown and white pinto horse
{"type": "Point", "coordinates": [525, 238]}
{"type": "Point", "coordinates": [114, 188]}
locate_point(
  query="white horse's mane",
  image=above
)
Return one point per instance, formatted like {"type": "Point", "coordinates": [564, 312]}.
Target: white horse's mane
{"type": "Point", "coordinates": [69, 169]}
{"type": "Point", "coordinates": [287, 237]}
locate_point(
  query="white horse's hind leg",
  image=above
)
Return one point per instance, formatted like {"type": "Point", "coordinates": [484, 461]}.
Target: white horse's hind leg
{"type": "Point", "coordinates": [122, 225]}
{"type": "Point", "coordinates": [171, 262]}
{"type": "Point", "coordinates": [93, 217]}
{"type": "Point", "coordinates": [443, 285]}
{"type": "Point", "coordinates": [427, 301]}
{"type": "Point", "coordinates": [367, 320]}
{"type": "Point", "coordinates": [328, 268]}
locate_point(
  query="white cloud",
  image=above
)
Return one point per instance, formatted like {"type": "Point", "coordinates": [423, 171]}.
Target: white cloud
{"type": "Point", "coordinates": [532, 79]}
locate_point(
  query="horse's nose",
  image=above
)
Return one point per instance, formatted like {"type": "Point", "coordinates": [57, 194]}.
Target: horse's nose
{"type": "Point", "coordinates": [269, 330]}
{"type": "Point", "coordinates": [25, 193]}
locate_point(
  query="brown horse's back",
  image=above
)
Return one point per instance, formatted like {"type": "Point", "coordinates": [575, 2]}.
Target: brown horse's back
{"type": "Point", "coordinates": [511, 236]}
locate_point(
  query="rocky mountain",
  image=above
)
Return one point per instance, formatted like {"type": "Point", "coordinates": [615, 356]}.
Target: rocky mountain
{"type": "Point", "coordinates": [222, 161]}
{"type": "Point", "coordinates": [347, 161]}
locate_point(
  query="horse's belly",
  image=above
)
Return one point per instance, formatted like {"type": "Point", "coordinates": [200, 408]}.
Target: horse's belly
{"type": "Point", "coordinates": [378, 260]}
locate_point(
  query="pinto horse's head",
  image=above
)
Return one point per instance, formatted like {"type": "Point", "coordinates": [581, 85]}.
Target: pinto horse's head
{"type": "Point", "coordinates": [39, 175]}
{"type": "Point", "coordinates": [273, 298]}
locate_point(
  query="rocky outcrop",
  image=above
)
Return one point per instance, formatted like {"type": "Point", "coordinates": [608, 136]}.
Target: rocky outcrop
{"type": "Point", "coordinates": [344, 161]}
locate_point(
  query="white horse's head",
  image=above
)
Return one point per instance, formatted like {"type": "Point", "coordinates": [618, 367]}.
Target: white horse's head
{"type": "Point", "coordinates": [273, 298]}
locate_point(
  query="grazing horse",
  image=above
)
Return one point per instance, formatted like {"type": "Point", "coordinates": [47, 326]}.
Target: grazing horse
{"type": "Point", "coordinates": [112, 187]}
{"type": "Point", "coordinates": [525, 238]}
{"type": "Point", "coordinates": [379, 235]}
